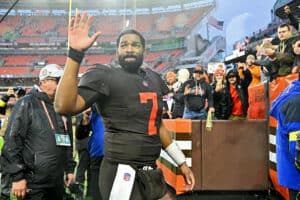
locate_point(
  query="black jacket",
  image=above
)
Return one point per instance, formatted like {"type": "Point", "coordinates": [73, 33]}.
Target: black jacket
{"type": "Point", "coordinates": [30, 150]}
{"type": "Point", "coordinates": [222, 102]}
{"type": "Point", "coordinates": [241, 88]}
{"type": "Point", "coordinates": [178, 105]}
{"type": "Point", "coordinates": [196, 102]}
{"type": "Point", "coordinates": [283, 62]}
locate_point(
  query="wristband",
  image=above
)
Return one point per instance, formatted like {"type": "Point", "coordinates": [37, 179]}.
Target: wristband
{"type": "Point", "coordinates": [175, 153]}
{"type": "Point", "coordinates": [75, 55]}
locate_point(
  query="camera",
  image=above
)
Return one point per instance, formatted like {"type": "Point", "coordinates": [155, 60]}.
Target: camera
{"type": "Point", "coordinates": [19, 91]}
{"type": "Point", "coordinates": [76, 188]}
{"type": "Point", "coordinates": [73, 189]}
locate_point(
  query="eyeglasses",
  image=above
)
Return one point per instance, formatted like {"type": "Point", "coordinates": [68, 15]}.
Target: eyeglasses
{"type": "Point", "coordinates": [231, 76]}
{"type": "Point", "coordinates": [198, 72]}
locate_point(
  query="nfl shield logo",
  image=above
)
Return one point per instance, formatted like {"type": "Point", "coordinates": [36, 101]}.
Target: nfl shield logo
{"type": "Point", "coordinates": [126, 177]}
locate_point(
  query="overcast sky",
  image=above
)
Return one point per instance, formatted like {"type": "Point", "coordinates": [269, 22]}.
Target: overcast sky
{"type": "Point", "coordinates": [241, 18]}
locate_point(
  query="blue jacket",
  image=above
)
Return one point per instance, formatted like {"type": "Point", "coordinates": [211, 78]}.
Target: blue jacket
{"type": "Point", "coordinates": [286, 109]}
{"type": "Point", "coordinates": [96, 140]}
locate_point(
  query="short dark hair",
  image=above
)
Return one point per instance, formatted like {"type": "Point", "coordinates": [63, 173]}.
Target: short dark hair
{"type": "Point", "coordinates": [284, 25]}
{"type": "Point", "coordinates": [131, 31]}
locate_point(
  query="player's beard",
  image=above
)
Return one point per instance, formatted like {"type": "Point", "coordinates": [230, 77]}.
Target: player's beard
{"type": "Point", "coordinates": [131, 66]}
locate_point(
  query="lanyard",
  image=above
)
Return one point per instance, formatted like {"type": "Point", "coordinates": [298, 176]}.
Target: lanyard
{"type": "Point", "coordinates": [64, 119]}
{"type": "Point", "coordinates": [198, 89]}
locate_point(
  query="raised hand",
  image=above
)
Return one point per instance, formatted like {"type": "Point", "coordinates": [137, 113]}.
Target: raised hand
{"type": "Point", "coordinates": [78, 32]}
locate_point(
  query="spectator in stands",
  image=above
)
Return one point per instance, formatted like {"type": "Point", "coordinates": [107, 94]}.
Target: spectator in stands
{"type": "Point", "coordinates": [222, 101]}
{"type": "Point", "coordinates": [83, 168]}
{"type": "Point", "coordinates": [296, 49]}
{"type": "Point", "coordinates": [247, 40]}
{"type": "Point", "coordinates": [198, 99]}
{"type": "Point", "coordinates": [130, 99]}
{"type": "Point", "coordinates": [238, 89]}
{"type": "Point", "coordinates": [241, 66]}
{"type": "Point", "coordinates": [178, 95]}
{"type": "Point", "coordinates": [254, 69]}
{"type": "Point", "coordinates": [171, 78]}
{"type": "Point", "coordinates": [285, 108]}
{"type": "Point", "coordinates": [268, 73]}
{"type": "Point", "coordinates": [293, 19]}
{"type": "Point", "coordinates": [282, 58]}
{"type": "Point", "coordinates": [38, 143]}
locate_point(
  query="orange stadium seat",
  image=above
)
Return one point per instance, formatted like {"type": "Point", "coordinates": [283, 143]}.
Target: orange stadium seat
{"type": "Point", "coordinates": [36, 39]}
{"type": "Point", "coordinates": [113, 24]}
{"type": "Point", "coordinates": [152, 56]}
{"type": "Point", "coordinates": [57, 59]}
{"type": "Point", "coordinates": [15, 70]}
{"type": "Point", "coordinates": [161, 66]}
{"type": "Point", "coordinates": [94, 59]}
{"type": "Point", "coordinates": [20, 60]}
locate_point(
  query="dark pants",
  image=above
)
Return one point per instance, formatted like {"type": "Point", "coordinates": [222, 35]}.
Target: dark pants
{"type": "Point", "coordinates": [83, 166]}
{"type": "Point", "coordinates": [95, 164]}
{"type": "Point", "coordinates": [5, 187]}
{"type": "Point", "coordinates": [108, 172]}
{"type": "Point", "coordinates": [293, 194]}
{"type": "Point", "coordinates": [46, 193]}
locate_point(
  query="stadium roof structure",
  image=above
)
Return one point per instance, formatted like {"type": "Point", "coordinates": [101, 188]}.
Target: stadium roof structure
{"type": "Point", "coordinates": [293, 4]}
{"type": "Point", "coordinates": [96, 4]}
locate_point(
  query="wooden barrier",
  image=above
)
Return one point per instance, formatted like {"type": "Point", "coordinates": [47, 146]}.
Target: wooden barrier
{"type": "Point", "coordinates": [233, 156]}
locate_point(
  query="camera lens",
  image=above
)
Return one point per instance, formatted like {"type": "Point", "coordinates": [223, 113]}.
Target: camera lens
{"type": "Point", "coordinates": [19, 91]}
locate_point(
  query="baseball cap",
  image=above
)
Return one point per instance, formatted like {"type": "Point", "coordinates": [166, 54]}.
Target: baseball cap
{"type": "Point", "coordinates": [219, 71]}
{"type": "Point", "coordinates": [51, 71]}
